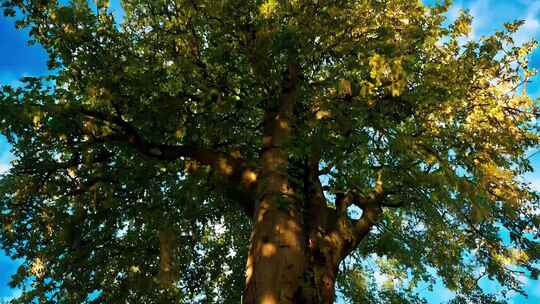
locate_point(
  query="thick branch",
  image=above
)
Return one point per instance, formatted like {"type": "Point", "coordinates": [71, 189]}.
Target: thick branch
{"type": "Point", "coordinates": [316, 203]}
{"type": "Point", "coordinates": [232, 169]}
{"type": "Point", "coordinates": [368, 219]}
{"type": "Point", "coordinates": [353, 231]}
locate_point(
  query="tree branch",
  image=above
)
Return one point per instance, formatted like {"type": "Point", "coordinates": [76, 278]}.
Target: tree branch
{"type": "Point", "coordinates": [369, 218]}
{"type": "Point", "coordinates": [234, 170]}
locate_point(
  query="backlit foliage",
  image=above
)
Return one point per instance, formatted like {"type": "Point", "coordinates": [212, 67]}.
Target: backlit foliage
{"type": "Point", "coordinates": [102, 213]}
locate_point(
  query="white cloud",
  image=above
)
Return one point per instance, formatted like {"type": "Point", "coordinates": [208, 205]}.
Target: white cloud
{"type": "Point", "coordinates": [479, 10]}
{"type": "Point", "coordinates": [11, 79]}
{"type": "Point", "coordinates": [535, 183]}
{"type": "Point", "coordinates": [531, 27]}
{"type": "Point", "coordinates": [489, 15]}
{"type": "Point", "coordinates": [454, 11]}
{"type": "Point", "coordinates": [8, 78]}
{"type": "Point", "coordinates": [5, 156]}
{"type": "Point", "coordinates": [4, 167]}
{"type": "Point", "coordinates": [14, 294]}
{"type": "Point", "coordinates": [380, 277]}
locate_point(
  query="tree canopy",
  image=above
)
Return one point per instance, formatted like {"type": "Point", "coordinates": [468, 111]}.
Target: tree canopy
{"type": "Point", "coordinates": [320, 141]}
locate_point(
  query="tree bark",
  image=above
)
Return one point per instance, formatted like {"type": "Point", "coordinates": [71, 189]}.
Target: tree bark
{"type": "Point", "coordinates": [318, 285]}
{"type": "Point", "coordinates": [285, 267]}
{"type": "Point", "coordinates": [290, 262]}
{"type": "Point", "coordinates": [286, 261]}
{"type": "Point", "coordinates": [276, 256]}
{"type": "Point", "coordinates": [297, 241]}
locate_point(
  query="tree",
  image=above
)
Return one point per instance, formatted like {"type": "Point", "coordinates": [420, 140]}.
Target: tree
{"type": "Point", "coordinates": [307, 140]}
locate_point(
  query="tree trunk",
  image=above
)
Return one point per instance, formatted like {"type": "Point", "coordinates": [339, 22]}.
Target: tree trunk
{"type": "Point", "coordinates": [276, 259]}
{"type": "Point", "coordinates": [294, 255]}
{"type": "Point", "coordinates": [319, 278]}
{"type": "Point", "coordinates": [285, 267]}
{"type": "Point", "coordinates": [294, 249]}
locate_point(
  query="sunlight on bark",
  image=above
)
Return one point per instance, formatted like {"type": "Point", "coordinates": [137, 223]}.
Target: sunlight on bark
{"type": "Point", "coordinates": [268, 298]}
{"type": "Point", "coordinates": [268, 250]}
{"type": "Point", "coordinates": [249, 177]}
{"type": "Point", "coordinates": [225, 167]}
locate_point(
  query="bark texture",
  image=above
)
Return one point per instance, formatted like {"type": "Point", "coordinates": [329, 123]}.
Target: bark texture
{"type": "Point", "coordinates": [297, 241]}
{"type": "Point", "coordinates": [293, 261]}
{"type": "Point", "coordinates": [276, 255]}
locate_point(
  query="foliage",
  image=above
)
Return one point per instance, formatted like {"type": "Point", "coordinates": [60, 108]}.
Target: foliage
{"type": "Point", "coordinates": [116, 148]}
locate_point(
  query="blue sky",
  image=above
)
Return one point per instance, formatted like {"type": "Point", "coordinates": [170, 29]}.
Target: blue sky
{"type": "Point", "coordinates": [18, 59]}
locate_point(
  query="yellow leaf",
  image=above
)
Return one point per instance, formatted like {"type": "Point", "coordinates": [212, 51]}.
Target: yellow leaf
{"type": "Point", "coordinates": [268, 8]}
